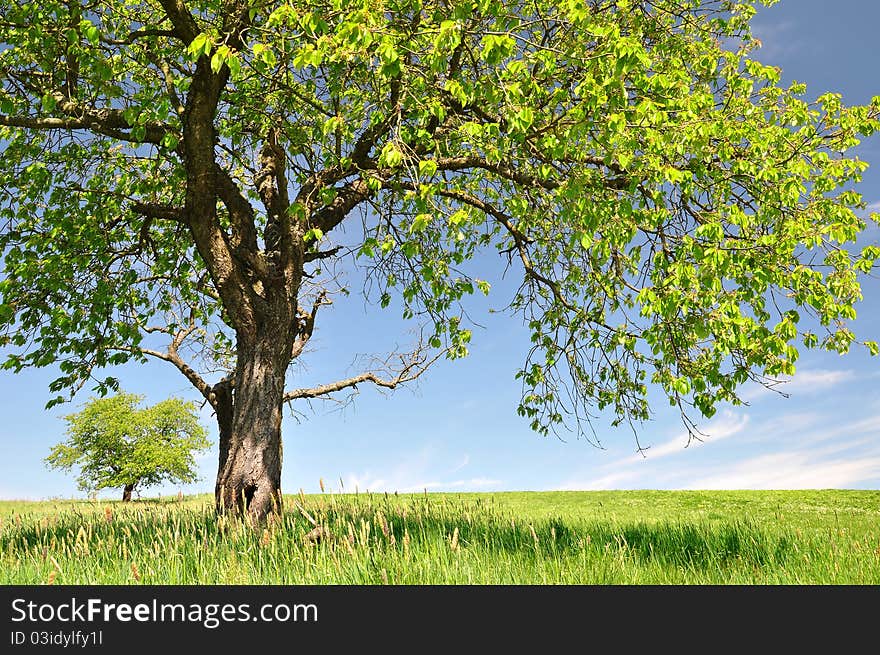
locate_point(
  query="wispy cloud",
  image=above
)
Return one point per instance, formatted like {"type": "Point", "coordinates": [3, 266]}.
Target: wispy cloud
{"type": "Point", "coordinates": [779, 40]}
{"type": "Point", "coordinates": [610, 481]}
{"type": "Point", "coordinates": [801, 383]}
{"type": "Point", "coordinates": [818, 380]}
{"type": "Point", "coordinates": [623, 472]}
{"type": "Point", "coordinates": [5, 494]}
{"type": "Point", "coordinates": [808, 450]}
{"type": "Point", "coordinates": [792, 470]}
{"type": "Point", "coordinates": [418, 471]}
{"type": "Point", "coordinates": [464, 462]}
{"type": "Point", "coordinates": [460, 485]}
{"type": "Point", "coordinates": [726, 425]}
{"type": "Point", "coordinates": [376, 484]}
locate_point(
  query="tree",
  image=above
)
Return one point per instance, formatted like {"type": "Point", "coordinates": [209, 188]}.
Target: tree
{"type": "Point", "coordinates": [214, 172]}
{"type": "Point", "coordinates": [116, 444]}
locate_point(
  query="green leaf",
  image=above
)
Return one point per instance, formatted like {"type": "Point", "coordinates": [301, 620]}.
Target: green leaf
{"type": "Point", "coordinates": [48, 102]}
{"type": "Point", "coordinates": [420, 222]}
{"type": "Point", "coordinates": [390, 156]}
{"type": "Point", "coordinates": [200, 45]}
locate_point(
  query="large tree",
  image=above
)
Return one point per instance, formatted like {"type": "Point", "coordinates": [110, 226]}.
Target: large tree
{"type": "Point", "coordinates": [208, 171]}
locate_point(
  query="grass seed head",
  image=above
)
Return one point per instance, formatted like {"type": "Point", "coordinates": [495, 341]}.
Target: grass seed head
{"type": "Point", "coordinates": [136, 574]}
{"type": "Point", "coordinates": [383, 523]}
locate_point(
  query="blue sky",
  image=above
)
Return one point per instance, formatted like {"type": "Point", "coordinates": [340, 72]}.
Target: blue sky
{"type": "Point", "coordinates": [457, 429]}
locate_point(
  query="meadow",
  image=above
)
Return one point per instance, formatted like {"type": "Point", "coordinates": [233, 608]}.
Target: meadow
{"type": "Point", "coordinates": [607, 537]}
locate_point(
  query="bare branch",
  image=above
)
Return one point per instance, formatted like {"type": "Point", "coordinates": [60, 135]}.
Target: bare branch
{"type": "Point", "coordinates": [307, 324]}
{"type": "Point", "coordinates": [411, 369]}
{"type": "Point", "coordinates": [174, 357]}
{"type": "Point", "coordinates": [322, 254]}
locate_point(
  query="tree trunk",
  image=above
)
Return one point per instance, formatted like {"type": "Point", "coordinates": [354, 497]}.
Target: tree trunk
{"type": "Point", "coordinates": [249, 473]}
{"type": "Point", "coordinates": [126, 493]}
{"type": "Point", "coordinates": [223, 410]}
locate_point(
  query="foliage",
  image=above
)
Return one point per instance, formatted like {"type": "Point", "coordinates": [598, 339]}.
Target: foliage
{"type": "Point", "coordinates": [114, 443]}
{"type": "Point", "coordinates": [679, 217]}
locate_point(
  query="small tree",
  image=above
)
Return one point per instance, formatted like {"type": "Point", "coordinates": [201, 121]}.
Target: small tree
{"type": "Point", "coordinates": [117, 444]}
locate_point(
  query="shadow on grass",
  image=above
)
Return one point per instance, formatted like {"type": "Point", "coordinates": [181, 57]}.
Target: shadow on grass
{"type": "Point", "coordinates": [421, 525]}
{"type": "Point", "coordinates": [689, 545]}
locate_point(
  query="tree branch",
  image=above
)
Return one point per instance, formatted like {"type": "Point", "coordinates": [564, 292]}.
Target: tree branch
{"type": "Point", "coordinates": [240, 210]}
{"type": "Point", "coordinates": [322, 254]}
{"type": "Point", "coordinates": [411, 370]}
{"type": "Point", "coordinates": [347, 198]}
{"type": "Point", "coordinates": [502, 170]}
{"type": "Point", "coordinates": [185, 27]}
{"type": "Point", "coordinates": [306, 324]}
{"type": "Point", "coordinates": [160, 211]}
{"type": "Point", "coordinates": [174, 357]}
{"type": "Point", "coordinates": [137, 34]}
{"type": "Point", "coordinates": [106, 121]}
{"type": "Point", "coordinates": [519, 239]}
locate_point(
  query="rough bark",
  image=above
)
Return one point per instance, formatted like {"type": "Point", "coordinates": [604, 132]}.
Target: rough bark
{"type": "Point", "coordinates": [222, 402]}
{"type": "Point", "coordinates": [126, 493]}
{"type": "Point", "coordinates": [249, 475]}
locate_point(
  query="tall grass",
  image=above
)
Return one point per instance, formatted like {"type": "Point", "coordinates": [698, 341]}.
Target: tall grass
{"type": "Point", "coordinates": [513, 538]}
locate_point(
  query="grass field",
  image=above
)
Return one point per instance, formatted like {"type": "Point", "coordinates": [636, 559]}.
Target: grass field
{"type": "Point", "coordinates": [621, 537]}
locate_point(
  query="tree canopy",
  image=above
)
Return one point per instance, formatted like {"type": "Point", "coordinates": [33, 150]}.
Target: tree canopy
{"type": "Point", "coordinates": [116, 444]}
{"type": "Point", "coordinates": [210, 171]}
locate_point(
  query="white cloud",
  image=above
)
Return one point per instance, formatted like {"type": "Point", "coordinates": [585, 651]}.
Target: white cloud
{"type": "Point", "coordinates": [461, 485]}
{"type": "Point", "coordinates": [824, 453]}
{"type": "Point", "coordinates": [367, 483]}
{"type": "Point", "coordinates": [868, 426]}
{"type": "Point", "coordinates": [610, 481]}
{"type": "Point", "coordinates": [803, 382]}
{"type": "Point", "coordinates": [818, 380]}
{"type": "Point", "coordinates": [794, 470]}
{"type": "Point", "coordinates": [416, 473]}
{"type": "Point", "coordinates": [726, 425]}
{"type": "Point", "coordinates": [817, 462]}
{"type": "Point", "coordinates": [634, 466]}
{"type": "Point", "coordinates": [464, 462]}
{"type": "Point", "coordinates": [779, 40]}
{"type": "Point", "coordinates": [362, 482]}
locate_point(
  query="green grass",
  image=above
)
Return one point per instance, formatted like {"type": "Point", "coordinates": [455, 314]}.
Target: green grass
{"type": "Point", "coordinates": [623, 537]}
